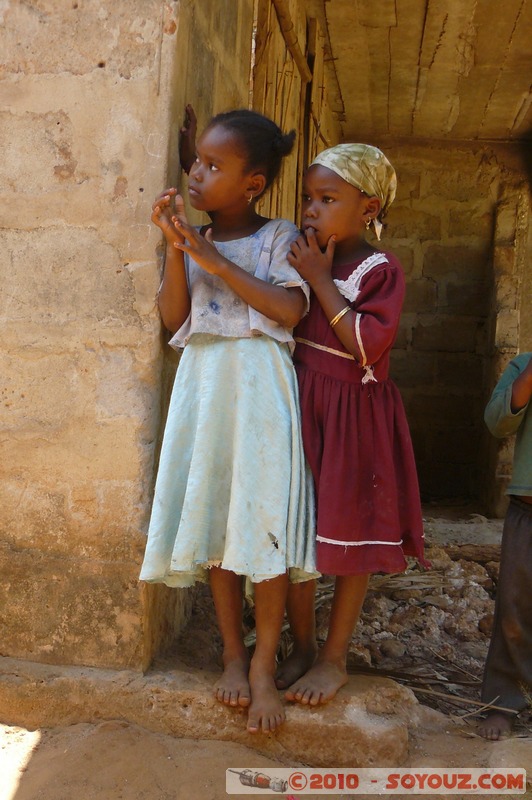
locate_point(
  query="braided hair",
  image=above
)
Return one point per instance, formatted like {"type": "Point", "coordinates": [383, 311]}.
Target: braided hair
{"type": "Point", "coordinates": [263, 142]}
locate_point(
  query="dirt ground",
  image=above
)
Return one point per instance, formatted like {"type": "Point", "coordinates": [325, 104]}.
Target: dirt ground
{"type": "Point", "coordinates": [427, 630]}
{"type": "Point", "coordinates": [117, 761]}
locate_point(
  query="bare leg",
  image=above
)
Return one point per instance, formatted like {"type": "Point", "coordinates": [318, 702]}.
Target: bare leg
{"type": "Point", "coordinates": [329, 672]}
{"type": "Point", "coordinates": [302, 619]}
{"type": "Point", "coordinates": [496, 725]}
{"type": "Point", "coordinates": [233, 687]}
{"type": "Point", "coordinates": [266, 711]}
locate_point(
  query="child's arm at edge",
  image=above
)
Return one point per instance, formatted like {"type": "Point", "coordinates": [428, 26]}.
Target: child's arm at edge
{"type": "Point", "coordinates": [507, 405]}
{"type": "Point", "coordinates": [522, 389]}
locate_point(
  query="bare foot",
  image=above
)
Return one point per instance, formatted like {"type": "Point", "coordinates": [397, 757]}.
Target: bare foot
{"type": "Point", "coordinates": [319, 684]}
{"type": "Point", "coordinates": [266, 712]}
{"type": "Point", "coordinates": [233, 687]}
{"type": "Point", "coordinates": [294, 666]}
{"type": "Point", "coordinates": [495, 726]}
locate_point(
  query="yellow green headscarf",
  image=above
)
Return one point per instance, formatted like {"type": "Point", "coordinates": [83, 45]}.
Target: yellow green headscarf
{"type": "Point", "coordinates": [365, 167]}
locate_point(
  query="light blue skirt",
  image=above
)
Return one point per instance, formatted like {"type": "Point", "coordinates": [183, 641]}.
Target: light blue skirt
{"type": "Point", "coordinates": [233, 488]}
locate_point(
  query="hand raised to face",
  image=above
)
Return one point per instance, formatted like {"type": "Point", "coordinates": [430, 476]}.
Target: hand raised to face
{"type": "Point", "coordinates": [166, 209]}
{"type": "Point", "coordinates": [309, 259]}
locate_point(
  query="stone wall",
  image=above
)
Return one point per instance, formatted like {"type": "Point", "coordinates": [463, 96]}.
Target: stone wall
{"type": "Point", "coordinates": [510, 320]}
{"type": "Point", "coordinates": [458, 227]}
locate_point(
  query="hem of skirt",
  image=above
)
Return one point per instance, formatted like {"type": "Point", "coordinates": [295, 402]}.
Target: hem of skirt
{"type": "Point", "coordinates": [364, 569]}
{"type": "Point", "coordinates": [187, 579]}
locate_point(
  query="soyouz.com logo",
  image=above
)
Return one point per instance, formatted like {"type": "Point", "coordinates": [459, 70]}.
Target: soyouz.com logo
{"type": "Point", "coordinates": [463, 781]}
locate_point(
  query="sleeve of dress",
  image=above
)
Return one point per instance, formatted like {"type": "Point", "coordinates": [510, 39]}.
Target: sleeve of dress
{"type": "Point", "coordinates": [280, 272]}
{"type": "Point", "coordinates": [377, 310]}
{"type": "Point", "coordinates": [498, 416]}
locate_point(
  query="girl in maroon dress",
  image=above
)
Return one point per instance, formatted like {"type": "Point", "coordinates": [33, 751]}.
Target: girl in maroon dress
{"type": "Point", "coordinates": [355, 431]}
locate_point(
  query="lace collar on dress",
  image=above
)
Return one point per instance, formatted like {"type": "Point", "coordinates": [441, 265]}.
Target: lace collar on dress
{"type": "Point", "coordinates": [350, 288]}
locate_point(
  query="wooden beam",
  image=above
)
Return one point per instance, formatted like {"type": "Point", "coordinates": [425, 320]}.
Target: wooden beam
{"type": "Point", "coordinates": [289, 35]}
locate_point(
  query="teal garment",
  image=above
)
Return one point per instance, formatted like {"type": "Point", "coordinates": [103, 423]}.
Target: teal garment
{"type": "Point", "coordinates": [502, 422]}
{"type": "Point", "coordinates": [233, 488]}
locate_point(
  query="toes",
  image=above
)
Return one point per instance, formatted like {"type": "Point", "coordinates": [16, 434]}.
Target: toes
{"type": "Point", "coordinates": [305, 697]}
{"type": "Point", "coordinates": [266, 724]}
{"type": "Point", "coordinates": [316, 699]}
{"type": "Point", "coordinates": [491, 734]}
{"type": "Point", "coordinates": [223, 695]}
{"type": "Point", "coordinates": [243, 700]}
{"type": "Point", "coordinates": [294, 693]}
{"type": "Point", "coordinates": [233, 698]}
{"type": "Point", "coordinates": [253, 726]}
{"type": "Point", "coordinates": [274, 722]}
{"type": "Point", "coordinates": [495, 727]}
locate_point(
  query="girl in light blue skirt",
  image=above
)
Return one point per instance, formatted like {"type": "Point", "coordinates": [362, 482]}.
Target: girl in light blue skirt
{"type": "Point", "coordinates": [233, 498]}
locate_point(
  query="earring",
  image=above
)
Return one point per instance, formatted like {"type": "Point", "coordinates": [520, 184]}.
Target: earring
{"type": "Point", "coordinates": [368, 223]}
{"type": "Point", "coordinates": [250, 199]}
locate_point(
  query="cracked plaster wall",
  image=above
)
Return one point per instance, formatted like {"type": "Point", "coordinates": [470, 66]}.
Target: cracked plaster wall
{"type": "Point", "coordinates": [92, 97]}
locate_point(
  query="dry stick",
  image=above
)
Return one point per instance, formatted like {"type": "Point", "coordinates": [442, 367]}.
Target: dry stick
{"type": "Point", "coordinates": [456, 699]}
{"type": "Point", "coordinates": [448, 661]}
{"type": "Point", "coordinates": [383, 583]}
{"type": "Point", "coordinates": [408, 676]}
{"type": "Point", "coordinates": [485, 707]}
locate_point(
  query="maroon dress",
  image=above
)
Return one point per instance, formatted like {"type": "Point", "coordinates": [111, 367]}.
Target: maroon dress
{"type": "Point", "coordinates": [355, 431]}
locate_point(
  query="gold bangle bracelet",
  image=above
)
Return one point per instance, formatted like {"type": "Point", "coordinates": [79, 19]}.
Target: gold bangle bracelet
{"type": "Point", "coordinates": [339, 316]}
